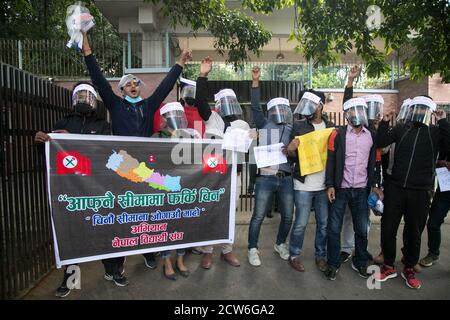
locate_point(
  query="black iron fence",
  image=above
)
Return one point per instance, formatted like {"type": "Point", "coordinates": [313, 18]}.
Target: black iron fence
{"type": "Point", "coordinates": [28, 104]}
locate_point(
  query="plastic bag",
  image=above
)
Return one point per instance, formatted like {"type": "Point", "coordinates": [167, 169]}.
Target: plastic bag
{"type": "Point", "coordinates": [78, 19]}
{"type": "Point", "coordinates": [375, 204]}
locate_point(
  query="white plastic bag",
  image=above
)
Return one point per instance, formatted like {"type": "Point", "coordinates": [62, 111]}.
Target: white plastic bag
{"type": "Point", "coordinates": [78, 19]}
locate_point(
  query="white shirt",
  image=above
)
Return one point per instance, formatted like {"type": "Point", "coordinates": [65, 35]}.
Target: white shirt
{"type": "Point", "coordinates": [314, 181]}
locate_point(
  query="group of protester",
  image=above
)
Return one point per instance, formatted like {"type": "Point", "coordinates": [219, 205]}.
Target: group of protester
{"type": "Point", "coordinates": [338, 194]}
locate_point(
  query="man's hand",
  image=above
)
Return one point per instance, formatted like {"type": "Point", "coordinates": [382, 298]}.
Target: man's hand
{"type": "Point", "coordinates": [185, 56]}
{"type": "Point", "coordinates": [86, 47]}
{"type": "Point", "coordinates": [379, 193]}
{"type": "Point", "coordinates": [253, 134]}
{"type": "Point", "coordinates": [440, 114]}
{"type": "Point", "coordinates": [256, 74]}
{"type": "Point", "coordinates": [293, 147]}
{"type": "Point", "coordinates": [444, 164]}
{"type": "Point", "coordinates": [205, 67]}
{"type": "Point", "coordinates": [331, 193]}
{"type": "Point", "coordinates": [388, 116]}
{"type": "Point", "coordinates": [41, 137]}
{"type": "Point", "coordinates": [352, 74]}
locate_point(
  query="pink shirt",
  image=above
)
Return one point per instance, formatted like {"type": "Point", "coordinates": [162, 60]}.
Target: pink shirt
{"type": "Point", "coordinates": [357, 152]}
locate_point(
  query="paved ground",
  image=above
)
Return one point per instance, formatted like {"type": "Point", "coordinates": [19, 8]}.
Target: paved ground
{"type": "Point", "coordinates": [275, 279]}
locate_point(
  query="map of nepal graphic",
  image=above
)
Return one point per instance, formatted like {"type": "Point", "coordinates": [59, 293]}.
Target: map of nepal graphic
{"type": "Point", "coordinates": [129, 168]}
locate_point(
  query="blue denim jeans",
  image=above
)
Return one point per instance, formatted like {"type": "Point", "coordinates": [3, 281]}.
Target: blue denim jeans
{"type": "Point", "coordinates": [165, 254]}
{"type": "Point", "coordinates": [303, 203]}
{"type": "Point", "coordinates": [265, 187]}
{"type": "Point", "coordinates": [356, 199]}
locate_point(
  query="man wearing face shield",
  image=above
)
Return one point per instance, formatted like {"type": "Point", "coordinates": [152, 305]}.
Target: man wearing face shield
{"type": "Point", "coordinates": [353, 167]}
{"type": "Point", "coordinates": [275, 179]}
{"type": "Point", "coordinates": [225, 114]}
{"type": "Point", "coordinates": [84, 120]}
{"type": "Point", "coordinates": [412, 181]}
{"type": "Point", "coordinates": [174, 123]}
{"type": "Point", "coordinates": [132, 115]}
{"type": "Point", "coordinates": [308, 189]}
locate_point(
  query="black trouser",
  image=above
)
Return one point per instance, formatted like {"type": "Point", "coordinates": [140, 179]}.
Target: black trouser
{"type": "Point", "coordinates": [438, 212]}
{"type": "Point", "coordinates": [413, 205]}
{"type": "Point", "coordinates": [113, 265]}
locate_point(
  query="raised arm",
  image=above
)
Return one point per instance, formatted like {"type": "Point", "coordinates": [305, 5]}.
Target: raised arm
{"type": "Point", "coordinates": [352, 74]}
{"type": "Point", "coordinates": [386, 135]}
{"type": "Point", "coordinates": [167, 84]}
{"type": "Point", "coordinates": [201, 91]}
{"type": "Point", "coordinates": [97, 77]}
{"type": "Point", "coordinates": [258, 115]}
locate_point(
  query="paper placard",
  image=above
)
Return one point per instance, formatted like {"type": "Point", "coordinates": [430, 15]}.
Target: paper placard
{"type": "Point", "coordinates": [271, 155]}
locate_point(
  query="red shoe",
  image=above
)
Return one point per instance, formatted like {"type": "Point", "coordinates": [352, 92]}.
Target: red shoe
{"type": "Point", "coordinates": [410, 278]}
{"type": "Point", "coordinates": [386, 272]}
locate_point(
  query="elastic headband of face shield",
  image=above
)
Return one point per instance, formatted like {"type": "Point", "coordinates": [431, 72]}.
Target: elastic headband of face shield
{"type": "Point", "coordinates": [84, 94]}
{"type": "Point", "coordinates": [375, 104]}
{"type": "Point", "coordinates": [308, 104]}
{"type": "Point", "coordinates": [227, 103]}
{"type": "Point", "coordinates": [128, 78]}
{"type": "Point", "coordinates": [403, 110]}
{"type": "Point", "coordinates": [279, 111]}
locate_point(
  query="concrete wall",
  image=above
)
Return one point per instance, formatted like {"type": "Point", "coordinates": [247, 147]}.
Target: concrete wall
{"type": "Point", "coordinates": [439, 91]}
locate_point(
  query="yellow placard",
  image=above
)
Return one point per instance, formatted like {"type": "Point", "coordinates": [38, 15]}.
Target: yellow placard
{"type": "Point", "coordinates": [312, 151]}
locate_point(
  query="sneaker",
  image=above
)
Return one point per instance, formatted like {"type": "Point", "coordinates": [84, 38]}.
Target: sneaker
{"type": "Point", "coordinates": [196, 250]}
{"type": "Point", "coordinates": [62, 291]}
{"type": "Point", "coordinates": [429, 260]}
{"type": "Point", "coordinates": [253, 257]}
{"type": "Point", "coordinates": [410, 278]}
{"type": "Point", "coordinates": [321, 264]}
{"type": "Point", "coordinates": [345, 256]}
{"type": "Point", "coordinates": [282, 250]}
{"type": "Point", "coordinates": [150, 261]}
{"type": "Point", "coordinates": [331, 272]}
{"type": "Point", "coordinates": [362, 271]}
{"type": "Point", "coordinates": [416, 268]}
{"type": "Point", "coordinates": [379, 259]}
{"type": "Point", "coordinates": [385, 273]}
{"type": "Point", "coordinates": [119, 280]}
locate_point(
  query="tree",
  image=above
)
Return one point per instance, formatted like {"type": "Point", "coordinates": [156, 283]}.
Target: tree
{"type": "Point", "coordinates": [326, 29]}
{"type": "Point", "coordinates": [234, 32]}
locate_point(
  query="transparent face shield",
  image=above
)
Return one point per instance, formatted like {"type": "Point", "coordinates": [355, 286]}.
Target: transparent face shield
{"type": "Point", "coordinates": [174, 120]}
{"type": "Point", "coordinates": [86, 98]}
{"type": "Point", "coordinates": [357, 116]}
{"type": "Point", "coordinates": [374, 110]}
{"type": "Point", "coordinates": [228, 106]}
{"type": "Point", "coordinates": [280, 114]}
{"type": "Point", "coordinates": [419, 113]}
{"type": "Point", "coordinates": [188, 92]}
{"type": "Point", "coordinates": [402, 114]}
{"type": "Point", "coordinates": [306, 107]}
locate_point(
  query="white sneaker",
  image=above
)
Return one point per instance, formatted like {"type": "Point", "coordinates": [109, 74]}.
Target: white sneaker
{"type": "Point", "coordinates": [253, 257]}
{"type": "Point", "coordinates": [282, 250]}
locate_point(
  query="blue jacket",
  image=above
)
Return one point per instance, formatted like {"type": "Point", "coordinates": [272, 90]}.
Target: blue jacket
{"type": "Point", "coordinates": [130, 119]}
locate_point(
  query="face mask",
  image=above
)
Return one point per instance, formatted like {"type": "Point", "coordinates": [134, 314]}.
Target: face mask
{"type": "Point", "coordinates": [133, 100]}
{"type": "Point", "coordinates": [189, 101]}
{"type": "Point", "coordinates": [354, 121]}
{"type": "Point", "coordinates": [417, 117]}
{"type": "Point", "coordinates": [83, 108]}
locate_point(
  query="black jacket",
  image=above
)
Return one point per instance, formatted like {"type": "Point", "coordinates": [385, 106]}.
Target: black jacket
{"type": "Point", "coordinates": [336, 160]}
{"type": "Point", "coordinates": [131, 119]}
{"type": "Point", "coordinates": [416, 151]}
{"type": "Point", "coordinates": [79, 124]}
{"type": "Point", "coordinates": [300, 128]}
